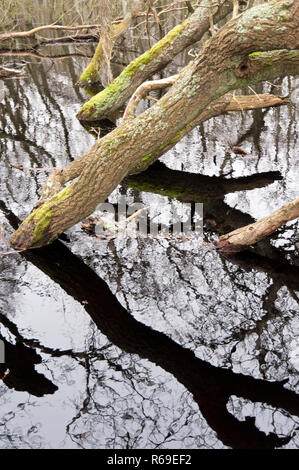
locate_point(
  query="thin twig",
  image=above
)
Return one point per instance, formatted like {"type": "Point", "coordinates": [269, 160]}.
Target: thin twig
{"type": "Point", "coordinates": [21, 167]}
{"type": "Point", "coordinates": [235, 8]}
{"type": "Point", "coordinates": [5, 375]}
{"type": "Point", "coordinates": [254, 92]}
{"type": "Point", "coordinates": [136, 214]}
{"type": "Point", "coordinates": [143, 90]}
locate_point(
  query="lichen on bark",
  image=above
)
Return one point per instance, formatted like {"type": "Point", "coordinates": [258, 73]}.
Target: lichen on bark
{"type": "Point", "coordinates": [105, 103]}
{"type": "Point", "coordinates": [222, 65]}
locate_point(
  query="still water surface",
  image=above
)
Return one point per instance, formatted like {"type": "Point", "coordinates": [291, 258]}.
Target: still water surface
{"type": "Point", "coordinates": [148, 343]}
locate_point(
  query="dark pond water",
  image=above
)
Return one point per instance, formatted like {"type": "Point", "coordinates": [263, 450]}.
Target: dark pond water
{"type": "Point", "coordinates": [149, 343]}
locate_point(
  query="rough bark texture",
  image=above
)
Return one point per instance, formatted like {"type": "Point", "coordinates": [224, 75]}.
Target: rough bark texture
{"type": "Point", "coordinates": [108, 101]}
{"type": "Point", "coordinates": [227, 103]}
{"type": "Point", "coordinates": [243, 237]}
{"type": "Point", "coordinates": [263, 66]}
{"type": "Point", "coordinates": [222, 65]}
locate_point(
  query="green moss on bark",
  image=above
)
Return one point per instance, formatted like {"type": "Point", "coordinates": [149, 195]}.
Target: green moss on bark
{"type": "Point", "coordinates": [102, 103]}
{"type": "Point", "coordinates": [90, 75]}
{"type": "Point", "coordinates": [173, 192]}
{"type": "Point", "coordinates": [43, 215]}
{"type": "Point", "coordinates": [150, 158]}
{"type": "Point", "coordinates": [34, 228]}
{"type": "Point", "coordinates": [42, 221]}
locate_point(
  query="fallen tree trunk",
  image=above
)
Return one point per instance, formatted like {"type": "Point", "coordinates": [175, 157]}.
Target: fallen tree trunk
{"type": "Point", "coordinates": [227, 103]}
{"type": "Point", "coordinates": [255, 68]}
{"type": "Point", "coordinates": [107, 102]}
{"type": "Point", "coordinates": [222, 65]}
{"type": "Point", "coordinates": [61, 176]}
{"type": "Point", "coordinates": [243, 237]}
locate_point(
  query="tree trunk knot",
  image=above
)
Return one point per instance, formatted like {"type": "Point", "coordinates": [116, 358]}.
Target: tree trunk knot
{"type": "Point", "coordinates": [242, 70]}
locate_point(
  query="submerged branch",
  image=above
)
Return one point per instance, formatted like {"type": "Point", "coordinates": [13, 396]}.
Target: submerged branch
{"type": "Point", "coordinates": [243, 237]}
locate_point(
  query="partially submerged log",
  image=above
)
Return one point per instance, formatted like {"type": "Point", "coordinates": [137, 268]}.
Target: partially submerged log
{"type": "Point", "coordinates": [223, 64]}
{"type": "Point", "coordinates": [243, 237]}
{"type": "Point", "coordinates": [107, 102]}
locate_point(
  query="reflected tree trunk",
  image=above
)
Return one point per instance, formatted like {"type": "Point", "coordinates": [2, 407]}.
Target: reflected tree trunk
{"type": "Point", "coordinates": [210, 386]}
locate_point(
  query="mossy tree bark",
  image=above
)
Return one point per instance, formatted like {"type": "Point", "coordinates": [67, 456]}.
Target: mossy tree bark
{"type": "Point", "coordinates": [223, 64]}
{"type": "Point", "coordinates": [106, 103]}
{"type": "Point", "coordinates": [91, 76]}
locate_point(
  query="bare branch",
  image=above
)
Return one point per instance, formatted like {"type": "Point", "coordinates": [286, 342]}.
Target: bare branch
{"type": "Point", "coordinates": [32, 32]}
{"type": "Point", "coordinates": [243, 237]}
{"type": "Point", "coordinates": [143, 90]}
{"type": "Point", "coordinates": [236, 8]}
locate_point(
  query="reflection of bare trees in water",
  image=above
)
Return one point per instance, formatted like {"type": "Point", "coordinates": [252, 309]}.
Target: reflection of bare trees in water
{"type": "Point", "coordinates": [14, 437]}
{"type": "Point", "coordinates": [123, 404]}
{"type": "Point", "coordinates": [142, 387]}
{"type": "Point", "coordinates": [124, 391]}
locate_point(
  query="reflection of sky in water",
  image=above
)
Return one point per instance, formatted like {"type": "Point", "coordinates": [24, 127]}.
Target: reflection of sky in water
{"type": "Point", "coordinates": [239, 319]}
